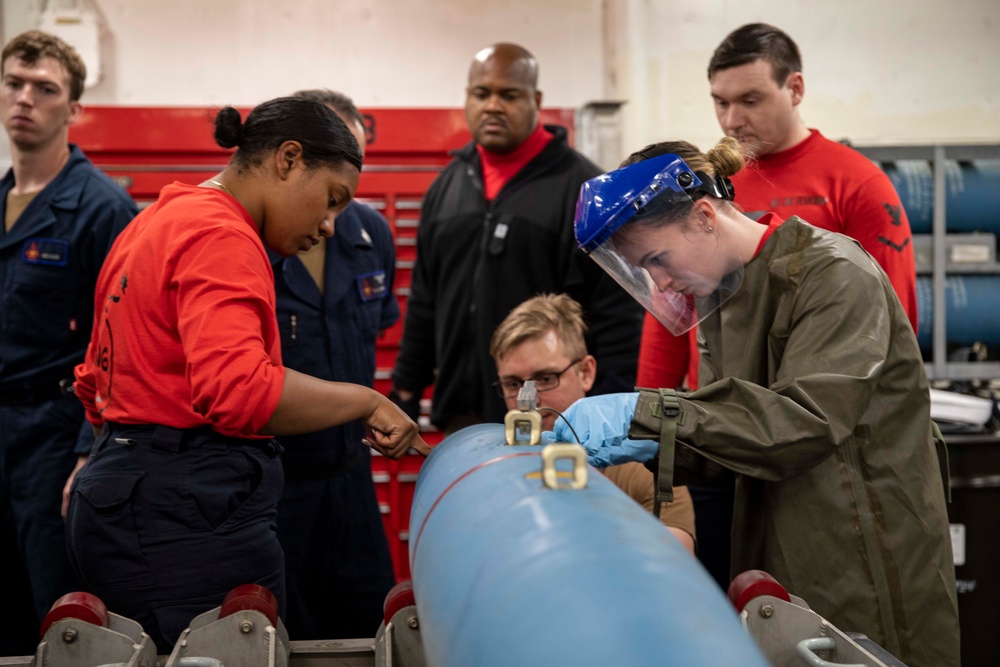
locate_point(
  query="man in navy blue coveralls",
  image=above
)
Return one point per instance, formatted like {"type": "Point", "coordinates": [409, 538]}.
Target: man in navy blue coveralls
{"type": "Point", "coordinates": [332, 303]}
{"type": "Point", "coordinates": [60, 217]}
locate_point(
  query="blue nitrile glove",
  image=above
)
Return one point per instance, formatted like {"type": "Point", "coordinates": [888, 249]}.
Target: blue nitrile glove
{"type": "Point", "coordinates": [602, 423]}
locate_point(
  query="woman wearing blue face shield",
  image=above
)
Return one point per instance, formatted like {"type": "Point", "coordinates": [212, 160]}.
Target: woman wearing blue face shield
{"type": "Point", "coordinates": [812, 391]}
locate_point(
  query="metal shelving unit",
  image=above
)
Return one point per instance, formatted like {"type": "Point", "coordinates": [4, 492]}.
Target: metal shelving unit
{"type": "Point", "coordinates": [940, 368]}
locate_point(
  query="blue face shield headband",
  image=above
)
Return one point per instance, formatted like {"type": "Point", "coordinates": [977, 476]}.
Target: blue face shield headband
{"type": "Point", "coordinates": [609, 201]}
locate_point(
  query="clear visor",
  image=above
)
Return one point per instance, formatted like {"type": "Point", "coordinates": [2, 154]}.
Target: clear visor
{"type": "Point", "coordinates": [670, 259]}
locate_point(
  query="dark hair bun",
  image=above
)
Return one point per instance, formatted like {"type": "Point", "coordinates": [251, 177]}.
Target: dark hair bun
{"type": "Point", "coordinates": [228, 128]}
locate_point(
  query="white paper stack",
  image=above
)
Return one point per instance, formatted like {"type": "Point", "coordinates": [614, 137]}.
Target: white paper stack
{"type": "Point", "coordinates": [948, 406]}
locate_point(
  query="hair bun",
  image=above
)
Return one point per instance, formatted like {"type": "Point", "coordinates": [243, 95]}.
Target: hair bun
{"type": "Point", "coordinates": [228, 128]}
{"type": "Point", "coordinates": [727, 157]}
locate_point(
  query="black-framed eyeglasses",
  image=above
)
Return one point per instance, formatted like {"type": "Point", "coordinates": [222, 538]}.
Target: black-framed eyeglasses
{"type": "Point", "coordinates": [508, 387]}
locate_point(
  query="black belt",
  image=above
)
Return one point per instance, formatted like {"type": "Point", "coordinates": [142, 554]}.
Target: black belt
{"type": "Point", "coordinates": [36, 392]}
{"type": "Point", "coordinates": [176, 440]}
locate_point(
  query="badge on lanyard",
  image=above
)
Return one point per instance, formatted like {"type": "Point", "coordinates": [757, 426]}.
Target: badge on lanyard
{"type": "Point", "coordinates": [54, 252]}
{"type": "Point", "coordinates": [371, 286]}
{"type": "Point", "coordinates": [499, 238]}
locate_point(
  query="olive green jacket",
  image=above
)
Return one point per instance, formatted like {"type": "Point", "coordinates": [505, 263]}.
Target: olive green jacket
{"type": "Point", "coordinates": [813, 391]}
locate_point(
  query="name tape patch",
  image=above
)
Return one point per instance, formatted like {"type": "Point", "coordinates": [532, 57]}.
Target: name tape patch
{"type": "Point", "coordinates": [371, 286]}
{"type": "Point", "coordinates": [53, 252]}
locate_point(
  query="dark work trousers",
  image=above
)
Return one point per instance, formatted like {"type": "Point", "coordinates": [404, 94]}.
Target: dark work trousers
{"type": "Point", "coordinates": [337, 557]}
{"type": "Point", "coordinates": [713, 511]}
{"type": "Point", "coordinates": [163, 523]}
{"type": "Point", "coordinates": [36, 458]}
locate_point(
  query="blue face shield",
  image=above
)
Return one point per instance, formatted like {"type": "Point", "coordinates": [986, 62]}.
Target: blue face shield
{"type": "Point", "coordinates": [641, 224]}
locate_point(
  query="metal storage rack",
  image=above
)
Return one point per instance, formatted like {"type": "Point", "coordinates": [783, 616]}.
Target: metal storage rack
{"type": "Point", "coordinates": [940, 368]}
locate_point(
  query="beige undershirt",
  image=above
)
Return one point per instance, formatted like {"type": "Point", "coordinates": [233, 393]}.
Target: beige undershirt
{"type": "Point", "coordinates": [15, 207]}
{"type": "Point", "coordinates": [312, 259]}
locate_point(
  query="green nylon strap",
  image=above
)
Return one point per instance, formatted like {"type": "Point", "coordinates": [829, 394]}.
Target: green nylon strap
{"type": "Point", "coordinates": [670, 408]}
{"type": "Point", "coordinates": [942, 453]}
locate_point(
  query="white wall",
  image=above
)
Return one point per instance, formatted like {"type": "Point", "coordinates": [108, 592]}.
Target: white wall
{"type": "Point", "coordinates": [385, 53]}
{"type": "Point", "coordinates": [877, 71]}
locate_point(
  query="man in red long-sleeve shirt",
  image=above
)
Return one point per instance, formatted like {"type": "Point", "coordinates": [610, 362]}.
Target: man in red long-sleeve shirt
{"type": "Point", "coordinates": [757, 85]}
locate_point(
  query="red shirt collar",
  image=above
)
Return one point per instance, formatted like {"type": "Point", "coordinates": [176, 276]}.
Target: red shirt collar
{"type": "Point", "coordinates": [794, 153]}
{"type": "Point", "coordinates": [499, 168]}
{"type": "Point", "coordinates": [772, 221]}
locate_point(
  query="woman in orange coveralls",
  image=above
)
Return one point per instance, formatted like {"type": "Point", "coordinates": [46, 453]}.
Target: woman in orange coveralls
{"type": "Point", "coordinates": [184, 378]}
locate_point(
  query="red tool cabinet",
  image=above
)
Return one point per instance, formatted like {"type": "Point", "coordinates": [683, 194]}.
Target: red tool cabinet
{"type": "Point", "coordinates": [145, 148]}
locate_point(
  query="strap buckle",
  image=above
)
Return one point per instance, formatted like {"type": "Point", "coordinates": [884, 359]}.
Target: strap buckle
{"type": "Point", "coordinates": [669, 403]}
